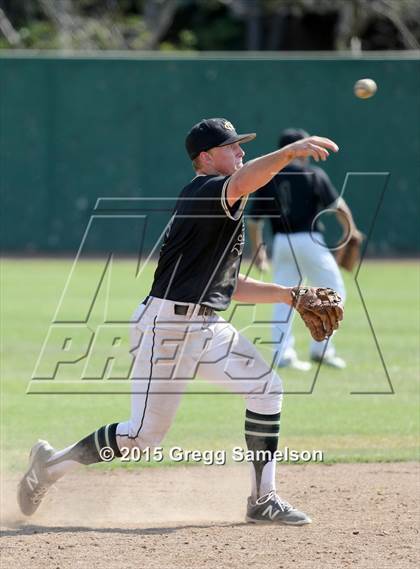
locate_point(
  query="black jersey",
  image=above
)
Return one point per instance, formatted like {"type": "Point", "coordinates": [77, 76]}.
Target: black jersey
{"type": "Point", "coordinates": [295, 196]}
{"type": "Point", "coordinates": [202, 249]}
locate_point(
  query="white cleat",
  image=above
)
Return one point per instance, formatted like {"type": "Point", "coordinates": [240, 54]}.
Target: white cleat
{"type": "Point", "coordinates": [331, 361]}
{"type": "Point", "coordinates": [271, 509]}
{"type": "Point", "coordinates": [36, 481]}
{"type": "Point", "coordinates": [295, 363]}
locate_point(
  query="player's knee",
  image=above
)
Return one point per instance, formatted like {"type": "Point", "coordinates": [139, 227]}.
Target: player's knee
{"type": "Point", "coordinates": [268, 405]}
{"type": "Point", "coordinates": [270, 400]}
{"type": "Point", "coordinates": [274, 400]}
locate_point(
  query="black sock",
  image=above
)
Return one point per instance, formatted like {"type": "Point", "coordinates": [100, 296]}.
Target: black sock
{"type": "Point", "coordinates": [262, 436]}
{"type": "Point", "coordinates": [89, 450]}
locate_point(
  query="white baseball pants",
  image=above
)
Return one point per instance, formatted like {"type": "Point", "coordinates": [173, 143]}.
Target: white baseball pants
{"type": "Point", "coordinates": [172, 351]}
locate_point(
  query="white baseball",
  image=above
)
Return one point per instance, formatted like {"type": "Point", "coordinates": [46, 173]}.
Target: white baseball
{"type": "Point", "coordinates": [365, 88]}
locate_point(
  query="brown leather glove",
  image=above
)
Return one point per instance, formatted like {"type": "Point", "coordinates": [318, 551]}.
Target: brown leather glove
{"type": "Point", "coordinates": [320, 308]}
{"type": "Point", "coordinates": [348, 256]}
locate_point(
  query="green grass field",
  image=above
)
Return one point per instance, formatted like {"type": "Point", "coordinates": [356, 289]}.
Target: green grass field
{"type": "Point", "coordinates": [371, 425]}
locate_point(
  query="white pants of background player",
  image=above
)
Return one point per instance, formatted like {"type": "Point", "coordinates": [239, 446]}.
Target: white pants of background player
{"type": "Point", "coordinates": [300, 257]}
{"type": "Point", "coordinates": [172, 352]}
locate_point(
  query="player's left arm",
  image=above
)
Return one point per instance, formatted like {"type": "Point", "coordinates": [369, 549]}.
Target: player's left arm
{"type": "Point", "coordinates": [258, 292]}
{"type": "Point", "coordinates": [321, 309]}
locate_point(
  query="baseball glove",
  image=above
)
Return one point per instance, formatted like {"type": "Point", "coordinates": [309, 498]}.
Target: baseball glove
{"type": "Point", "coordinates": [320, 308]}
{"type": "Point", "coordinates": [349, 255]}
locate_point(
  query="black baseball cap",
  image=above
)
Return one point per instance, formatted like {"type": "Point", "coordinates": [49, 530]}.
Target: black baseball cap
{"type": "Point", "coordinates": [209, 133]}
{"type": "Point", "coordinates": [291, 135]}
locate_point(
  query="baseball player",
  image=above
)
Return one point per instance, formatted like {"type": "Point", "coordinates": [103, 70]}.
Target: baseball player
{"type": "Point", "coordinates": [177, 332]}
{"type": "Point", "coordinates": [292, 201]}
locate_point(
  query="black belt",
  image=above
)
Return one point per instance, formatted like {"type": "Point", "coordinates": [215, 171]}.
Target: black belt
{"type": "Point", "coordinates": [182, 309]}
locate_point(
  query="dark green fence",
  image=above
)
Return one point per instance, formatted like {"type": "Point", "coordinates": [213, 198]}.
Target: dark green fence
{"type": "Point", "coordinates": [77, 129]}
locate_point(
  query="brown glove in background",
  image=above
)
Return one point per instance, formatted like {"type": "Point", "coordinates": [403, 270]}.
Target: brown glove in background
{"type": "Point", "coordinates": [348, 256]}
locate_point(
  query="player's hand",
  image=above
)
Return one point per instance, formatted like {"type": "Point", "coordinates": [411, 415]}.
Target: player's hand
{"type": "Point", "coordinates": [261, 260]}
{"type": "Point", "coordinates": [315, 147]}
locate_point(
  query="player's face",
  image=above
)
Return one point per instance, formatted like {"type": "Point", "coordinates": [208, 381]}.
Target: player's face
{"type": "Point", "coordinates": [227, 159]}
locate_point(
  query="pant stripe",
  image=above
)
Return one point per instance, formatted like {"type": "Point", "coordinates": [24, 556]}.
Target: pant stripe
{"type": "Point", "coordinates": [150, 377]}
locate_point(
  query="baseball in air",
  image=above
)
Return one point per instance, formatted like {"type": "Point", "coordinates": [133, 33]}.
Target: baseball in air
{"type": "Point", "coordinates": [365, 88]}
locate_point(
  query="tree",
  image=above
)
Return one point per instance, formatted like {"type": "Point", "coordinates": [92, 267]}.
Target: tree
{"type": "Point", "coordinates": [210, 24]}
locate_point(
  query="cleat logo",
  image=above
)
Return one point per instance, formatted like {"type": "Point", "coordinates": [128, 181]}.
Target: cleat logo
{"type": "Point", "coordinates": [32, 480]}
{"type": "Point", "coordinates": [271, 512]}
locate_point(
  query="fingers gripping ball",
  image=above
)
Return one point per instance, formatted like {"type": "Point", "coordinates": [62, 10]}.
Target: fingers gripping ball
{"type": "Point", "coordinates": [321, 309]}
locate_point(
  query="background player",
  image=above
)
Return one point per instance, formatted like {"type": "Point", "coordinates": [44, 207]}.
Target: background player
{"type": "Point", "coordinates": [177, 333]}
{"type": "Point", "coordinates": [295, 196]}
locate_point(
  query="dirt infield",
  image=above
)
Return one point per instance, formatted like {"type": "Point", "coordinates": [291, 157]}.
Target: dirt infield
{"type": "Point", "coordinates": [364, 515]}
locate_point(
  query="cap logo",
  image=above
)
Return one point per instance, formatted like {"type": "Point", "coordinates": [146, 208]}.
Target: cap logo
{"type": "Point", "coordinates": [228, 125]}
